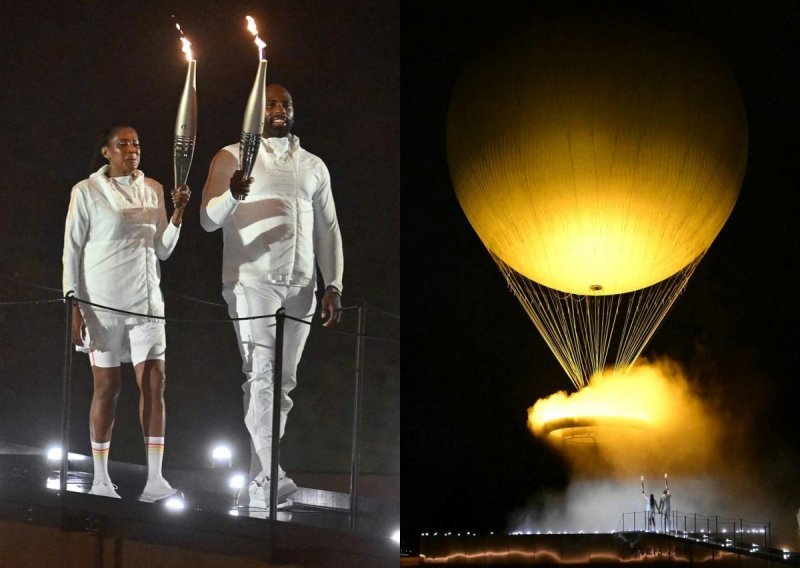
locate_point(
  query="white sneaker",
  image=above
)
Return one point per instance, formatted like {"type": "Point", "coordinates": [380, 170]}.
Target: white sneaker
{"type": "Point", "coordinates": [156, 490]}
{"type": "Point", "coordinates": [259, 493]}
{"type": "Point", "coordinates": [104, 489]}
{"type": "Point", "coordinates": [286, 486]}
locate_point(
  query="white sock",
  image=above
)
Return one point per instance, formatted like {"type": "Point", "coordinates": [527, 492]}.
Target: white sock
{"type": "Point", "coordinates": [100, 458]}
{"type": "Point", "coordinates": [154, 446]}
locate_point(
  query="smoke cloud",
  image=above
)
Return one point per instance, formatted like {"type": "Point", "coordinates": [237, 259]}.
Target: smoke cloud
{"type": "Point", "coordinates": [671, 429]}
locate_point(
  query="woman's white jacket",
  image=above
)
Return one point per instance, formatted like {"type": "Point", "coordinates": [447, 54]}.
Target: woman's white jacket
{"type": "Point", "coordinates": [113, 241]}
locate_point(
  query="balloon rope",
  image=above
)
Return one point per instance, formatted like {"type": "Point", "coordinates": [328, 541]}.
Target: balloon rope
{"type": "Point", "coordinates": [582, 330]}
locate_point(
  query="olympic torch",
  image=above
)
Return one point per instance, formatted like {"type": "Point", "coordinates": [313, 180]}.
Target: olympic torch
{"type": "Point", "coordinates": [666, 483]}
{"type": "Point", "coordinates": [642, 478]}
{"type": "Point", "coordinates": [253, 123]}
{"type": "Point", "coordinates": [186, 121]}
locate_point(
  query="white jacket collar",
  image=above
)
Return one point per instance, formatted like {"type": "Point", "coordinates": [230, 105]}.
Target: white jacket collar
{"type": "Point", "coordinates": [102, 173]}
{"type": "Point", "coordinates": [280, 146]}
{"type": "Point", "coordinates": [102, 182]}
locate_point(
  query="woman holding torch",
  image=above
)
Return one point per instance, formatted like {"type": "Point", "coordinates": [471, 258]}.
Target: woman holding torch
{"type": "Point", "coordinates": [650, 512]}
{"type": "Point", "coordinates": [116, 233]}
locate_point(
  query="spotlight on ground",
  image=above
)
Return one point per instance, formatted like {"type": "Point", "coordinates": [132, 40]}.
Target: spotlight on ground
{"type": "Point", "coordinates": [54, 455]}
{"type": "Point", "coordinates": [221, 456]}
{"type": "Point", "coordinates": [175, 503]}
{"type": "Point", "coordinates": [236, 481]}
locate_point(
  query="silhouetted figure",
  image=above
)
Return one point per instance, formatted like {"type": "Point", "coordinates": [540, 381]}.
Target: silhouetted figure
{"type": "Point", "coordinates": [650, 511]}
{"type": "Point", "coordinates": [665, 507]}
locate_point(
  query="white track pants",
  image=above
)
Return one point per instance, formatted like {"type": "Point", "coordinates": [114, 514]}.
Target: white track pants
{"type": "Point", "coordinates": [257, 347]}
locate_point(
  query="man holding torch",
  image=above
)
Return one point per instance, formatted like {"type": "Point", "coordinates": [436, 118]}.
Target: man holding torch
{"type": "Point", "coordinates": [278, 226]}
{"type": "Point", "coordinates": [665, 506]}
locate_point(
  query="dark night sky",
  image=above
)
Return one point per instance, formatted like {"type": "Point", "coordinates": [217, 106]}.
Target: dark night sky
{"type": "Point", "coordinates": [472, 360]}
{"type": "Point", "coordinates": [71, 70]}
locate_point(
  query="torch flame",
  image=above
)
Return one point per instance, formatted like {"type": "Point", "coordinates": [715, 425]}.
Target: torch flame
{"type": "Point", "coordinates": [186, 48]}
{"type": "Point", "coordinates": [186, 45]}
{"type": "Point", "coordinates": [251, 27]}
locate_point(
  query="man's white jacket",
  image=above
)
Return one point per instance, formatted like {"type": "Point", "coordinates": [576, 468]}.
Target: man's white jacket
{"type": "Point", "coordinates": [285, 224]}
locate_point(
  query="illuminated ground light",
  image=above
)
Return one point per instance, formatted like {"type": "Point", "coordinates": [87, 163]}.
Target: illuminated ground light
{"type": "Point", "coordinates": [54, 454]}
{"type": "Point", "coordinates": [236, 481]}
{"type": "Point", "coordinates": [221, 455]}
{"type": "Point", "coordinates": [396, 536]}
{"type": "Point", "coordinates": [175, 503]}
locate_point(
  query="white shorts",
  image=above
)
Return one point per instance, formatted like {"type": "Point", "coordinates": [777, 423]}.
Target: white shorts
{"type": "Point", "coordinates": [128, 343]}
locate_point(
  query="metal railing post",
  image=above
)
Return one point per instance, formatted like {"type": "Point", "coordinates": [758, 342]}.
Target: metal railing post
{"type": "Point", "coordinates": [65, 393]}
{"type": "Point", "coordinates": [357, 396]}
{"type": "Point", "coordinates": [277, 399]}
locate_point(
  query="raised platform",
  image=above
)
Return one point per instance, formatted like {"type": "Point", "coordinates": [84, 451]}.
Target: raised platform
{"type": "Point", "coordinates": [214, 529]}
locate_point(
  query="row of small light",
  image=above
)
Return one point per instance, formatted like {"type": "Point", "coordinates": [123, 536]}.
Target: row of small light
{"type": "Point", "coordinates": [728, 542]}
{"type": "Point", "coordinates": [516, 533]}
{"type": "Point", "coordinates": [528, 533]}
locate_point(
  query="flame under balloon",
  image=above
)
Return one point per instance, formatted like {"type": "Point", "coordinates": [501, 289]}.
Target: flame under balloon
{"type": "Point", "coordinates": [645, 420]}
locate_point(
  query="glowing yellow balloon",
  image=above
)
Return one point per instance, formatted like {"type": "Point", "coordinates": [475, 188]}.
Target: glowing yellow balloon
{"type": "Point", "coordinates": [597, 157]}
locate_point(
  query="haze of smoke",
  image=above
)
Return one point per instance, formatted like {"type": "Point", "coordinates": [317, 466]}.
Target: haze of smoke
{"type": "Point", "coordinates": [709, 474]}
{"type": "Point", "coordinates": [595, 505]}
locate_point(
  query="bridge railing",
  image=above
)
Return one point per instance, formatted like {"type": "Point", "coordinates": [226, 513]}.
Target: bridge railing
{"type": "Point", "coordinates": [740, 533]}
